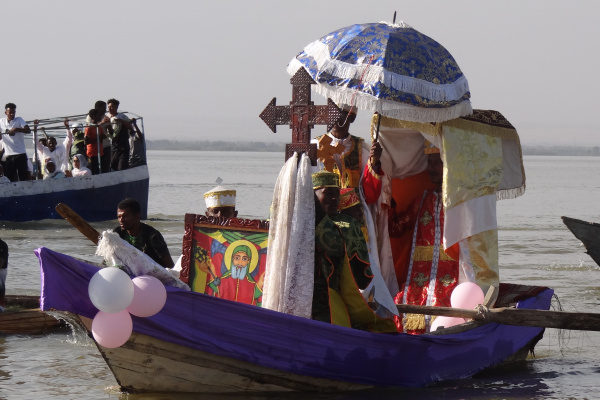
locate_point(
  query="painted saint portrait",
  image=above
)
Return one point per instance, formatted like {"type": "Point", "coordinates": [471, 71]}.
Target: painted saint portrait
{"type": "Point", "coordinates": [229, 264]}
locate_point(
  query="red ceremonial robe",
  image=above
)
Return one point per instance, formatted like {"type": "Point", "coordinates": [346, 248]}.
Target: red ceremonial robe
{"type": "Point", "coordinates": [432, 274]}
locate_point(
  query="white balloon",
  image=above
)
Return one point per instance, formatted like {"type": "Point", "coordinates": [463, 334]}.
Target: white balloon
{"type": "Point", "coordinates": [111, 290]}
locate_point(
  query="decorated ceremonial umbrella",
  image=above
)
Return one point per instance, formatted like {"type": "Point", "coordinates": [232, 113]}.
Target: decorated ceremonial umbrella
{"type": "Point", "coordinates": [390, 68]}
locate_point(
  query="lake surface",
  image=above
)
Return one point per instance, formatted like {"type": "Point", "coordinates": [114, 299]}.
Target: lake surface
{"type": "Point", "coordinates": [535, 248]}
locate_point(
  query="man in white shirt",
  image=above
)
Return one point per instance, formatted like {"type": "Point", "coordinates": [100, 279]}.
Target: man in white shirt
{"type": "Point", "coordinates": [60, 153]}
{"type": "Point", "coordinates": [12, 133]}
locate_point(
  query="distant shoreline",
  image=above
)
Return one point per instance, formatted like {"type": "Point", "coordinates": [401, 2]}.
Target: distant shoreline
{"type": "Point", "coordinates": [221, 145]}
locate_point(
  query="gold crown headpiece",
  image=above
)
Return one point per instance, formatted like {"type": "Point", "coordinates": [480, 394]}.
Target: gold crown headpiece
{"type": "Point", "coordinates": [324, 178]}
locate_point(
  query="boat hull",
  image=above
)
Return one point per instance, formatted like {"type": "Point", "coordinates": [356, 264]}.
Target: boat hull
{"type": "Point", "coordinates": [263, 350]}
{"type": "Point", "coordinates": [23, 317]}
{"type": "Point", "coordinates": [94, 198]}
{"type": "Point", "coordinates": [588, 233]}
{"type": "Point", "coordinates": [29, 322]}
{"type": "Point", "coordinates": [182, 369]}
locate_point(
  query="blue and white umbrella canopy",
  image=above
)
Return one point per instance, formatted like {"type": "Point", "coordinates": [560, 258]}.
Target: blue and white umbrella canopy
{"type": "Point", "coordinates": [389, 68]}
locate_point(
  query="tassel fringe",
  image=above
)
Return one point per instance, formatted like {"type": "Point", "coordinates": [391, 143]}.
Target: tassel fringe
{"type": "Point", "coordinates": [394, 109]}
{"type": "Point", "coordinates": [320, 53]}
{"type": "Point", "coordinates": [413, 322]}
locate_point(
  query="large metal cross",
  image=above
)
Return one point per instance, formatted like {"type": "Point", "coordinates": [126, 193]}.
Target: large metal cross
{"type": "Point", "coordinates": [301, 115]}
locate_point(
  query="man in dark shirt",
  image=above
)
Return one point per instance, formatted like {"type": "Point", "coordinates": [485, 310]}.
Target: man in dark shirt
{"type": "Point", "coordinates": [120, 139]}
{"type": "Point", "coordinates": [3, 271]}
{"type": "Point", "coordinates": [141, 236]}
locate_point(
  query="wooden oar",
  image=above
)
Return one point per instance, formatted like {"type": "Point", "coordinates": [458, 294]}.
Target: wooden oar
{"type": "Point", "coordinates": [515, 316]}
{"type": "Point", "coordinates": [82, 226]}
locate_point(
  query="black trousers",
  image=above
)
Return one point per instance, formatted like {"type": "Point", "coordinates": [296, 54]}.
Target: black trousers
{"type": "Point", "coordinates": [120, 159]}
{"type": "Point", "coordinates": [105, 160]}
{"type": "Point", "coordinates": [16, 168]}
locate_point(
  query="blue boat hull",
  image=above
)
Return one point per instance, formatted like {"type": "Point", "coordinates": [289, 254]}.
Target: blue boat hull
{"type": "Point", "coordinates": [94, 198]}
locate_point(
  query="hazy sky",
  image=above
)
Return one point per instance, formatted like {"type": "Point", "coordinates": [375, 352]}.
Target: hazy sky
{"type": "Point", "coordinates": [205, 70]}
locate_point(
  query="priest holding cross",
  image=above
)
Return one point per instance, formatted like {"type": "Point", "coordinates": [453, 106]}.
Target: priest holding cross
{"type": "Point", "coordinates": [350, 157]}
{"type": "Point", "coordinates": [340, 152]}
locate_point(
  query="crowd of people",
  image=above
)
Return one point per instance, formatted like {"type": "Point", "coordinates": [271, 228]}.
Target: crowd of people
{"type": "Point", "coordinates": [108, 141]}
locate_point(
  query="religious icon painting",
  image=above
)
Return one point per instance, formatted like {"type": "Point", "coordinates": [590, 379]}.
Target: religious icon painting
{"type": "Point", "coordinates": [226, 261]}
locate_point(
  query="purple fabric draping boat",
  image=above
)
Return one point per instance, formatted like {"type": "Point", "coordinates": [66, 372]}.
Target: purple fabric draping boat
{"type": "Point", "coordinates": [297, 345]}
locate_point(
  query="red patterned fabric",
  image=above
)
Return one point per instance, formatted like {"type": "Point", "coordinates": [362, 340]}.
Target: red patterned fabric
{"type": "Point", "coordinates": [348, 198]}
{"type": "Point", "coordinates": [372, 184]}
{"type": "Point", "coordinates": [432, 274]}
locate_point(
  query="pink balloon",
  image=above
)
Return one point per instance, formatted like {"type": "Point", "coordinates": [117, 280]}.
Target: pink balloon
{"type": "Point", "coordinates": [149, 296]}
{"type": "Point", "coordinates": [446, 322]}
{"type": "Point", "coordinates": [112, 329]}
{"type": "Point", "coordinates": [466, 295]}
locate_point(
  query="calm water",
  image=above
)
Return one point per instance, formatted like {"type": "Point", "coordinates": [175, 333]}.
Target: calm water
{"type": "Point", "coordinates": [535, 248]}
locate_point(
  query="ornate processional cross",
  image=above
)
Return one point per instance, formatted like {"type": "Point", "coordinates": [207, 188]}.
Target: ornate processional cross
{"type": "Point", "coordinates": [301, 115]}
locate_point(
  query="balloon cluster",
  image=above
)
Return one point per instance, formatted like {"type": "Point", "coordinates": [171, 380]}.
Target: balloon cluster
{"type": "Point", "coordinates": [466, 295]}
{"type": "Point", "coordinates": [117, 296]}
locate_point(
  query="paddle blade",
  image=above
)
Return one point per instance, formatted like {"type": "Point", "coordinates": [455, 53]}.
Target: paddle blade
{"type": "Point", "coordinates": [74, 219]}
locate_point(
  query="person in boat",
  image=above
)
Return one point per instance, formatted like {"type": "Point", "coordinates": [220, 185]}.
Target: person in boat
{"type": "Point", "coordinates": [220, 202]}
{"type": "Point", "coordinates": [359, 167]}
{"type": "Point", "coordinates": [80, 166]}
{"type": "Point", "coordinates": [3, 179]}
{"type": "Point", "coordinates": [78, 146]}
{"type": "Point", "coordinates": [12, 133]}
{"type": "Point", "coordinates": [121, 126]}
{"type": "Point", "coordinates": [40, 157]}
{"type": "Point", "coordinates": [104, 121]}
{"type": "Point", "coordinates": [137, 155]}
{"type": "Point", "coordinates": [3, 272]}
{"type": "Point", "coordinates": [91, 140]}
{"type": "Point", "coordinates": [51, 170]}
{"type": "Point", "coordinates": [341, 263]}
{"type": "Point", "coordinates": [349, 156]}
{"type": "Point", "coordinates": [432, 274]}
{"type": "Point", "coordinates": [59, 153]}
{"type": "Point", "coordinates": [141, 236]}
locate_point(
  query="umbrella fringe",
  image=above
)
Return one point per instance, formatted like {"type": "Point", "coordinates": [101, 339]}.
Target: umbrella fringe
{"type": "Point", "coordinates": [506, 194]}
{"type": "Point", "coordinates": [319, 52]}
{"type": "Point", "coordinates": [395, 109]}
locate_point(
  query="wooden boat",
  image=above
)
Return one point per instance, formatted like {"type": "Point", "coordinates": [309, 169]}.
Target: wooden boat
{"type": "Point", "coordinates": [588, 233]}
{"type": "Point", "coordinates": [24, 317]}
{"type": "Point", "coordinates": [94, 197]}
{"type": "Point", "coordinates": [200, 343]}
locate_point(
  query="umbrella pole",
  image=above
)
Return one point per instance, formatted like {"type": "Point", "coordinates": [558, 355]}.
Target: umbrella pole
{"type": "Point", "coordinates": [378, 124]}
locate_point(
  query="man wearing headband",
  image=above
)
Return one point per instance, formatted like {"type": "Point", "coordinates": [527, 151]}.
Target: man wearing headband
{"type": "Point", "coordinates": [341, 263]}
